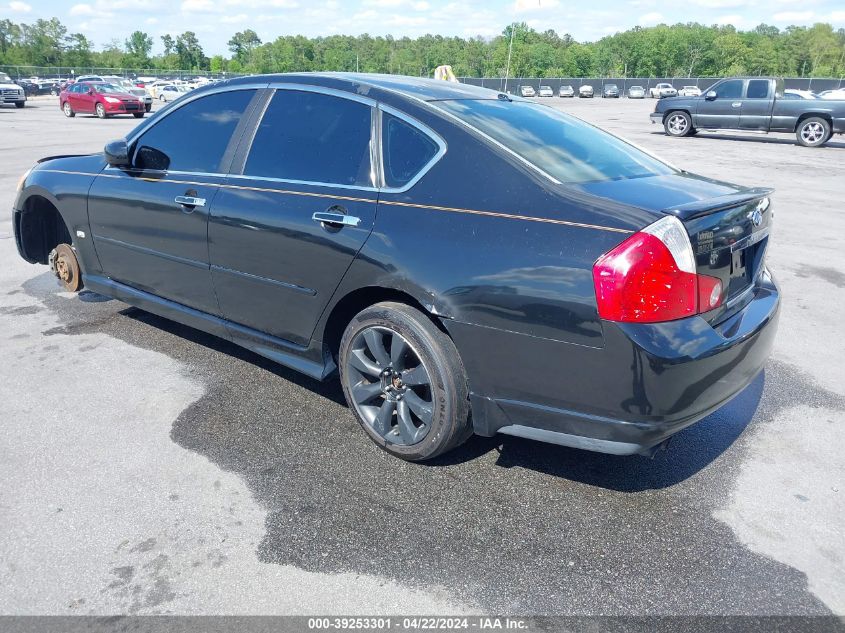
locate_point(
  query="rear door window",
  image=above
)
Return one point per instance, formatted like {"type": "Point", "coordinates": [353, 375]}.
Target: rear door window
{"type": "Point", "coordinates": [758, 89]}
{"type": "Point", "coordinates": [313, 137]}
{"type": "Point", "coordinates": [194, 137]}
{"type": "Point", "coordinates": [407, 150]}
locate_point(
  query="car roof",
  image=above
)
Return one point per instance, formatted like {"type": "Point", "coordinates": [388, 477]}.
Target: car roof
{"type": "Point", "coordinates": [414, 87]}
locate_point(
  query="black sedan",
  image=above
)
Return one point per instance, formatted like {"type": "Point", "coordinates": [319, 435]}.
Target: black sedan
{"type": "Point", "coordinates": [468, 260]}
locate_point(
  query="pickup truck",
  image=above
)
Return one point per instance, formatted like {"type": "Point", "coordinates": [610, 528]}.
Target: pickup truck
{"type": "Point", "coordinates": [754, 104]}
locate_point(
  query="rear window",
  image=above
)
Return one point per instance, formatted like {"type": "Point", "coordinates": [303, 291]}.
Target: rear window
{"type": "Point", "coordinates": [758, 89]}
{"type": "Point", "coordinates": [407, 150]}
{"type": "Point", "coordinates": [564, 147]}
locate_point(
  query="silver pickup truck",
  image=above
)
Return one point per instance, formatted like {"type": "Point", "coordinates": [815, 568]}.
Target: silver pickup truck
{"type": "Point", "coordinates": [754, 104]}
{"type": "Point", "coordinates": [11, 92]}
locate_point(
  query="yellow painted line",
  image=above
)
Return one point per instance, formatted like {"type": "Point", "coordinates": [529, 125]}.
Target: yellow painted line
{"type": "Point", "coordinates": [395, 203]}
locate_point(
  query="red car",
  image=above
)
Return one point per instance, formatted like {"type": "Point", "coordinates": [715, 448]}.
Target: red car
{"type": "Point", "coordinates": [100, 98]}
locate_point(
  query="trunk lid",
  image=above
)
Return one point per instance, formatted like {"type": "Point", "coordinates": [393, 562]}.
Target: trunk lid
{"type": "Point", "coordinates": [728, 226]}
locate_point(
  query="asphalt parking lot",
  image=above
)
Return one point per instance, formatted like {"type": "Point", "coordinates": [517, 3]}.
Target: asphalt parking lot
{"type": "Point", "coordinates": [149, 468]}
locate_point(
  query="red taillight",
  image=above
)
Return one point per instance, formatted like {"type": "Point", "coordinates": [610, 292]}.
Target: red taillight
{"type": "Point", "coordinates": [650, 277]}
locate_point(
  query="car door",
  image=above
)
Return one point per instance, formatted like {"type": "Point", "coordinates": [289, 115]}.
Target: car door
{"type": "Point", "coordinates": [723, 111]}
{"type": "Point", "coordinates": [295, 211]}
{"type": "Point", "coordinates": [756, 109]}
{"type": "Point", "coordinates": [77, 97]}
{"type": "Point", "coordinates": [87, 99]}
{"type": "Point", "coordinates": [150, 222]}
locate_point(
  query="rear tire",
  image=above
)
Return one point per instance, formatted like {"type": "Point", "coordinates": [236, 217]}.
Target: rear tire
{"type": "Point", "coordinates": [148, 107]}
{"type": "Point", "coordinates": [678, 123]}
{"type": "Point", "coordinates": [20, 104]}
{"type": "Point", "coordinates": [404, 381]}
{"type": "Point", "coordinates": [813, 132]}
{"type": "Point", "coordinates": [138, 115]}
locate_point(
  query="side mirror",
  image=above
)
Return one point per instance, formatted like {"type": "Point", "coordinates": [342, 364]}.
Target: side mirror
{"type": "Point", "coordinates": [117, 153]}
{"type": "Point", "coordinates": [711, 95]}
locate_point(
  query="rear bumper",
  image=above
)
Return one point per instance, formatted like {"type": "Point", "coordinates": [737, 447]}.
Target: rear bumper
{"type": "Point", "coordinates": [647, 383]}
{"type": "Point", "coordinates": [656, 117]}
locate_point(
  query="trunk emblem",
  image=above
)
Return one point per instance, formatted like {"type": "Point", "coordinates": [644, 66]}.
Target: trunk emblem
{"type": "Point", "coordinates": [756, 216]}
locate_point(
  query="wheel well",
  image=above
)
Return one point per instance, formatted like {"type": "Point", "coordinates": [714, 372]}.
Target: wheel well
{"type": "Point", "coordinates": [357, 300]}
{"type": "Point", "coordinates": [668, 112]}
{"type": "Point", "coordinates": [42, 229]}
{"type": "Point", "coordinates": [807, 115]}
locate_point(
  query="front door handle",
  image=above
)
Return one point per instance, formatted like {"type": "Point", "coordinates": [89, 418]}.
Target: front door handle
{"type": "Point", "coordinates": [341, 219]}
{"type": "Point", "coordinates": [736, 104]}
{"type": "Point", "coordinates": [190, 201]}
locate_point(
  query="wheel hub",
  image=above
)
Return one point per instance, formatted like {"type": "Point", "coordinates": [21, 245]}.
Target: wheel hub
{"type": "Point", "coordinates": [391, 384]}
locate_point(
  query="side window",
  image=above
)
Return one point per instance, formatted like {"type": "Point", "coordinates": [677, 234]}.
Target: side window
{"type": "Point", "coordinates": [313, 137]}
{"type": "Point", "coordinates": [194, 137]}
{"type": "Point", "coordinates": [758, 89]}
{"type": "Point", "coordinates": [730, 89]}
{"type": "Point", "coordinates": [406, 150]}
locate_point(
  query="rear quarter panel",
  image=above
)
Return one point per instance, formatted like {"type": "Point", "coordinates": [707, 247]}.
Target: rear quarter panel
{"type": "Point", "coordinates": [485, 240]}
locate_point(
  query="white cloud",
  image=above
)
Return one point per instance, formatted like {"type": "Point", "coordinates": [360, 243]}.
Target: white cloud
{"type": "Point", "coordinates": [198, 6]}
{"type": "Point", "coordinates": [733, 19]}
{"type": "Point", "coordinates": [837, 17]}
{"type": "Point", "coordinates": [650, 19]}
{"type": "Point", "coordinates": [151, 21]}
{"type": "Point", "coordinates": [535, 5]}
{"type": "Point", "coordinates": [81, 9]}
{"type": "Point", "coordinates": [19, 7]}
{"type": "Point", "coordinates": [384, 3]}
{"type": "Point", "coordinates": [422, 6]}
{"type": "Point", "coordinates": [722, 4]}
{"type": "Point", "coordinates": [793, 16]}
{"type": "Point", "coordinates": [234, 19]}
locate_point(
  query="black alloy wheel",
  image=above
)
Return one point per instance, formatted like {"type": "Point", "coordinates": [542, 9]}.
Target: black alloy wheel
{"type": "Point", "coordinates": [404, 380]}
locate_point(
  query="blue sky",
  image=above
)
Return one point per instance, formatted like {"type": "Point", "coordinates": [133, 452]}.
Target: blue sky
{"type": "Point", "coordinates": [215, 21]}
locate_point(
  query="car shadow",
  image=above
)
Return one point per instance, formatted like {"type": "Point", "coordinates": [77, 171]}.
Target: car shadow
{"type": "Point", "coordinates": [329, 389]}
{"type": "Point", "coordinates": [689, 452]}
{"type": "Point", "coordinates": [772, 140]}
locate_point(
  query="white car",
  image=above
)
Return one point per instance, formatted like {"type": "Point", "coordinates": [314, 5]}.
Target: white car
{"type": "Point", "coordinates": [790, 93]}
{"type": "Point", "coordinates": [527, 91]}
{"type": "Point", "coordinates": [11, 92]}
{"type": "Point", "coordinates": [585, 92]}
{"type": "Point", "coordinates": [690, 91]}
{"type": "Point", "coordinates": [546, 91]}
{"type": "Point", "coordinates": [171, 92]}
{"type": "Point", "coordinates": [662, 90]}
{"type": "Point", "coordinates": [838, 94]}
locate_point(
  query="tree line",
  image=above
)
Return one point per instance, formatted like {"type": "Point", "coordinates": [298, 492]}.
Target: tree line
{"type": "Point", "coordinates": [677, 50]}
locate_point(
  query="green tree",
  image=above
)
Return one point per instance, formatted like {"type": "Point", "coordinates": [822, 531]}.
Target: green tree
{"type": "Point", "coordinates": [138, 48]}
{"type": "Point", "coordinates": [243, 43]}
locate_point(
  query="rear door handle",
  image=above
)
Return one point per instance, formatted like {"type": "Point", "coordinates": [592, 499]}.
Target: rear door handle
{"type": "Point", "coordinates": [190, 201]}
{"type": "Point", "coordinates": [736, 104]}
{"type": "Point", "coordinates": [324, 217]}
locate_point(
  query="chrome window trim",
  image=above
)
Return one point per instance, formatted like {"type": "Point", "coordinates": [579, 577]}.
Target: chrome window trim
{"type": "Point", "coordinates": [375, 136]}
{"type": "Point", "coordinates": [304, 182]}
{"type": "Point", "coordinates": [343, 94]}
{"type": "Point", "coordinates": [489, 138]}
{"type": "Point", "coordinates": [434, 136]}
